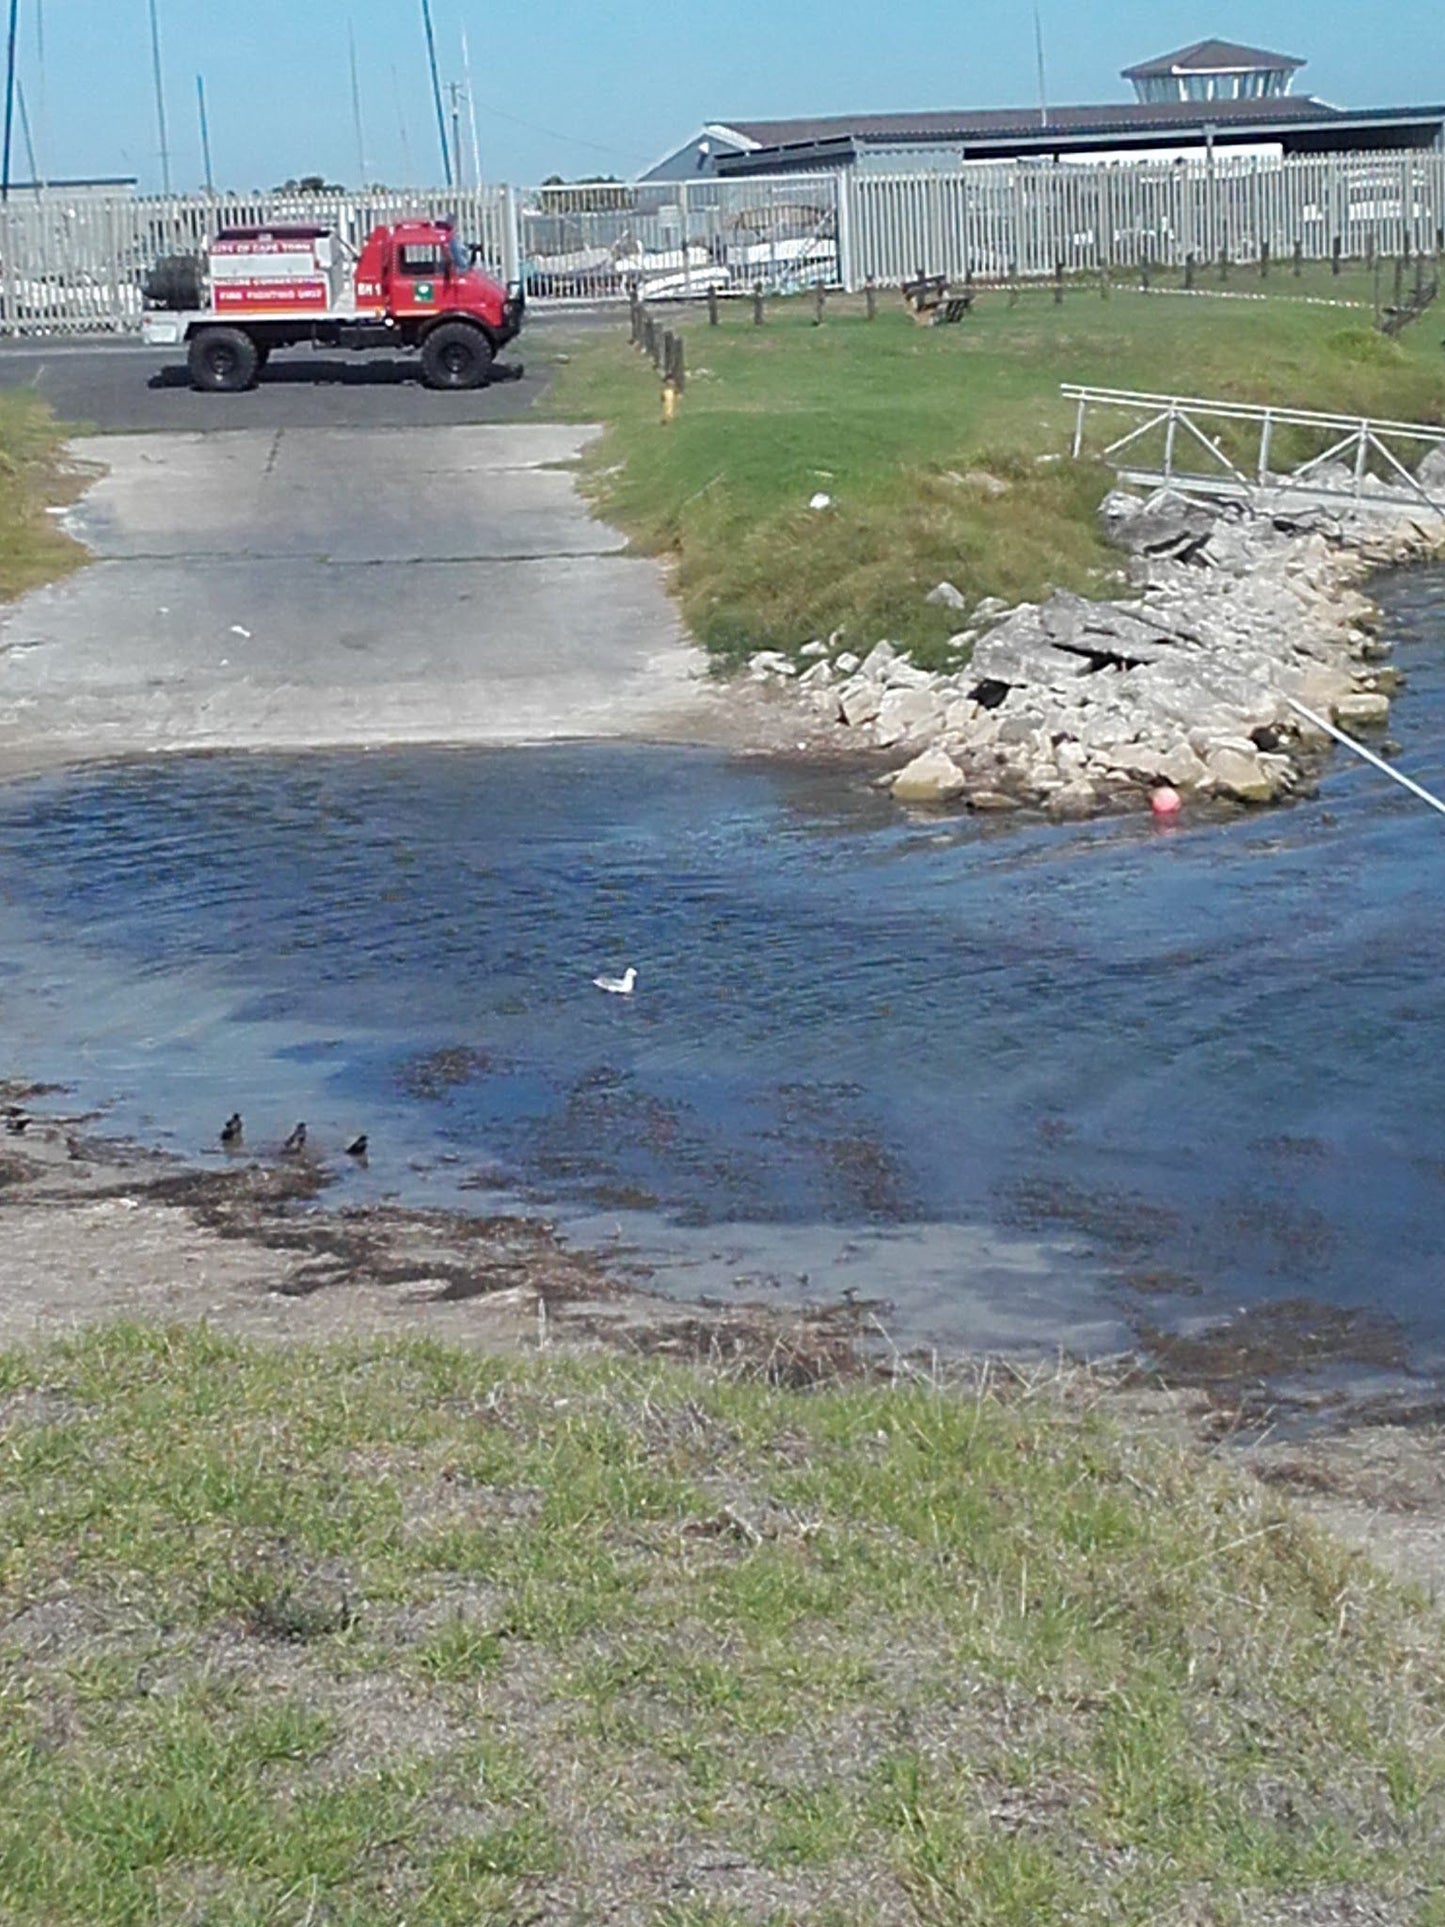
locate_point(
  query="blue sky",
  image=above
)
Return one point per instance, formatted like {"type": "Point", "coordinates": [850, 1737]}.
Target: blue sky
{"type": "Point", "coordinates": [577, 88]}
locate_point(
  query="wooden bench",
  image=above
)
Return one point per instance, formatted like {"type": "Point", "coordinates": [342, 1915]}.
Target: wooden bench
{"type": "Point", "coordinates": [930, 301]}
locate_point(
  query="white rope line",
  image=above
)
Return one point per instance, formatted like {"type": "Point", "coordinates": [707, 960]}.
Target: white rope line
{"type": "Point", "coordinates": [1369, 755]}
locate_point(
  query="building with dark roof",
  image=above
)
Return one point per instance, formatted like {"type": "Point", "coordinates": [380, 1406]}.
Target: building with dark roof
{"type": "Point", "coordinates": [1214, 70]}
{"type": "Point", "coordinates": [1212, 95]}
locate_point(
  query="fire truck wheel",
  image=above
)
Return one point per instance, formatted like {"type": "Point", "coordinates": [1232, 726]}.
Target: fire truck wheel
{"type": "Point", "coordinates": [456, 355]}
{"type": "Point", "coordinates": [223, 360]}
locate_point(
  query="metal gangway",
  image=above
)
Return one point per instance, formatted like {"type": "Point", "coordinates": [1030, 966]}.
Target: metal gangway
{"type": "Point", "coordinates": [1274, 454]}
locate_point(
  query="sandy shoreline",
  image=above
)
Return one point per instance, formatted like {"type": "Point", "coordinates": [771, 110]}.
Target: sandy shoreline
{"type": "Point", "coordinates": [93, 1231]}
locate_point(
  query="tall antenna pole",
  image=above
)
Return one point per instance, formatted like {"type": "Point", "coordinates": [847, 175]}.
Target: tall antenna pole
{"type": "Point", "coordinates": [1039, 57]}
{"type": "Point", "coordinates": [160, 100]}
{"type": "Point", "coordinates": [436, 88]}
{"type": "Point", "coordinates": [471, 110]}
{"type": "Point", "coordinates": [205, 133]}
{"type": "Point", "coordinates": [10, 97]}
{"type": "Point", "coordinates": [356, 106]}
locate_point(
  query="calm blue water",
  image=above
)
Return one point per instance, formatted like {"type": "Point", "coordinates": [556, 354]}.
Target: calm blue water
{"type": "Point", "coordinates": [990, 1070]}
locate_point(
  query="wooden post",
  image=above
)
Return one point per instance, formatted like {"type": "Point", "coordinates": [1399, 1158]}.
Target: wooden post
{"type": "Point", "coordinates": [1144, 273]}
{"type": "Point", "coordinates": [819, 296]}
{"type": "Point", "coordinates": [1399, 281]}
{"type": "Point", "coordinates": [712, 306]}
{"type": "Point", "coordinates": [1369, 253]}
{"type": "Point", "coordinates": [1419, 279]}
{"type": "Point", "coordinates": [1104, 280]}
{"type": "Point", "coordinates": [1406, 250]}
{"type": "Point", "coordinates": [1264, 260]}
{"type": "Point", "coordinates": [634, 312]}
{"type": "Point", "coordinates": [1058, 284]}
{"type": "Point", "coordinates": [1299, 259]}
{"type": "Point", "coordinates": [1223, 262]}
{"type": "Point", "coordinates": [664, 357]}
{"type": "Point", "coordinates": [870, 299]}
{"type": "Point", "coordinates": [1189, 271]}
{"type": "Point", "coordinates": [677, 368]}
{"type": "Point", "coordinates": [649, 337]}
{"type": "Point", "coordinates": [758, 304]}
{"type": "Point", "coordinates": [1336, 248]}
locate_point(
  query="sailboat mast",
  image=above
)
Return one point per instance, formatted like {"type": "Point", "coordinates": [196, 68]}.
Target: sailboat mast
{"type": "Point", "coordinates": [436, 89]}
{"type": "Point", "coordinates": [471, 109]}
{"type": "Point", "coordinates": [356, 121]}
{"type": "Point", "coordinates": [160, 100]}
{"type": "Point", "coordinates": [205, 133]}
{"type": "Point", "coordinates": [10, 97]}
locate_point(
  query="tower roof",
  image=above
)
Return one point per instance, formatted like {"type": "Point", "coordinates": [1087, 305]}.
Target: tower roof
{"type": "Point", "coordinates": [1214, 57]}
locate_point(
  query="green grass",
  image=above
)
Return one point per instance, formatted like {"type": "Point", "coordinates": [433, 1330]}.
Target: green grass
{"type": "Point", "coordinates": [33, 477]}
{"type": "Point", "coordinates": [895, 422]}
{"type": "Point", "coordinates": [382, 1632]}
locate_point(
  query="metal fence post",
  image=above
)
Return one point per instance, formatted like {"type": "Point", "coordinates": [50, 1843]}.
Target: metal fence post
{"type": "Point", "coordinates": [843, 192]}
{"type": "Point", "coordinates": [512, 252]}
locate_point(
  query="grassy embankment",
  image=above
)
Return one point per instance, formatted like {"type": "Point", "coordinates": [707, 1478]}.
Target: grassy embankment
{"type": "Point", "coordinates": [895, 421]}
{"type": "Point", "coordinates": [384, 1633]}
{"type": "Point", "coordinates": [33, 477]}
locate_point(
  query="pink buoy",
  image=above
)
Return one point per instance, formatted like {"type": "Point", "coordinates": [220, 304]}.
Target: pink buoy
{"type": "Point", "coordinates": [1165, 801]}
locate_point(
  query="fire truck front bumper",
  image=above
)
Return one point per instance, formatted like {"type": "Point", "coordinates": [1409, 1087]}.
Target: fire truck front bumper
{"type": "Point", "coordinates": [514, 312]}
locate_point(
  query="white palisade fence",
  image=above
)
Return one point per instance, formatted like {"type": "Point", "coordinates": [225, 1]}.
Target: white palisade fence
{"type": "Point", "coordinates": [77, 261]}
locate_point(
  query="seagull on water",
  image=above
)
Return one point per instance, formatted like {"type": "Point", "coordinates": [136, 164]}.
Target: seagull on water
{"type": "Point", "coordinates": [622, 986]}
{"type": "Point", "coordinates": [357, 1147]}
{"type": "Point", "coordinates": [232, 1131]}
{"type": "Point", "coordinates": [296, 1143]}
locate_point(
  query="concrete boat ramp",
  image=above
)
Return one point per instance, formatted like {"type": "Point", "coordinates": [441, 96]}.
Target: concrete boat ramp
{"type": "Point", "coordinates": [271, 588]}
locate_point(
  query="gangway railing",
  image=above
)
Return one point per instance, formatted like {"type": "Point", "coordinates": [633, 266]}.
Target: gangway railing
{"type": "Point", "coordinates": [1379, 458]}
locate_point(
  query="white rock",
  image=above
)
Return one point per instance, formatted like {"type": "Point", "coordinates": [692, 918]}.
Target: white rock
{"type": "Point", "coordinates": [1361, 709]}
{"type": "Point", "coordinates": [814, 648]}
{"type": "Point", "coordinates": [859, 702]}
{"type": "Point", "coordinates": [901, 674]}
{"type": "Point", "coordinates": [819, 676]}
{"type": "Point", "coordinates": [945, 596]}
{"type": "Point", "coordinates": [872, 663]}
{"type": "Point", "coordinates": [903, 713]}
{"type": "Point", "coordinates": [846, 663]}
{"type": "Point", "coordinates": [770, 662]}
{"type": "Point", "coordinates": [1241, 775]}
{"type": "Point", "coordinates": [933, 777]}
{"type": "Point", "coordinates": [821, 500]}
{"type": "Point", "coordinates": [1431, 473]}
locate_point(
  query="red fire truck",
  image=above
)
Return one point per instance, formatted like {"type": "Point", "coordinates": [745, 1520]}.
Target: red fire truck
{"type": "Point", "coordinates": [413, 286]}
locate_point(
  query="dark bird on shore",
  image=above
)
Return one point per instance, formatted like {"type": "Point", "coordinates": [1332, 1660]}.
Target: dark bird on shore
{"type": "Point", "coordinates": [357, 1147]}
{"type": "Point", "coordinates": [231, 1130]}
{"type": "Point", "coordinates": [296, 1143]}
{"type": "Point", "coordinates": [17, 1124]}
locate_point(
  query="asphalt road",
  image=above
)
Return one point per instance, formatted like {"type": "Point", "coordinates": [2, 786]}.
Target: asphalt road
{"type": "Point", "coordinates": [357, 562]}
{"type": "Point", "coordinates": [120, 386]}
